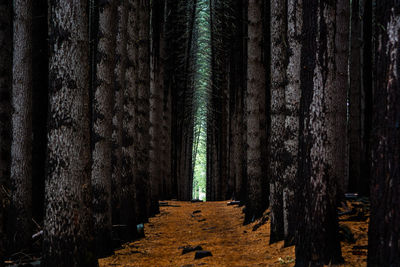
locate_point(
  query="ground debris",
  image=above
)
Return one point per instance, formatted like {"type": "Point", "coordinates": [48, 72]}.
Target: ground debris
{"type": "Point", "coordinates": [189, 249]}
{"type": "Point", "coordinates": [202, 254]}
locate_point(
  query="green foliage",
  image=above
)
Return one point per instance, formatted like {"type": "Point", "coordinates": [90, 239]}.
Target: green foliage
{"type": "Point", "coordinates": [202, 78]}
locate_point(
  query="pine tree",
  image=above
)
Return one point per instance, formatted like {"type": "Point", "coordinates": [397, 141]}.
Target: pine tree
{"type": "Point", "coordinates": [102, 105]}
{"type": "Point", "coordinates": [255, 114]}
{"type": "Point", "coordinates": [68, 231]}
{"type": "Point", "coordinates": [384, 235]}
{"type": "Point", "coordinates": [317, 241]}
{"type": "Point", "coordinates": [21, 146]}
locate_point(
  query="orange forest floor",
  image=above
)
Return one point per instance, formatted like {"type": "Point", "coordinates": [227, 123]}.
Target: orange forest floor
{"type": "Point", "coordinates": [218, 228]}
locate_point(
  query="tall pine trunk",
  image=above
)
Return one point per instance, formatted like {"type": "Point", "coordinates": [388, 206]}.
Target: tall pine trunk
{"type": "Point", "coordinates": [68, 231]}
{"type": "Point", "coordinates": [5, 111]}
{"type": "Point", "coordinates": [384, 234]}
{"type": "Point", "coordinates": [255, 112]}
{"type": "Point", "coordinates": [277, 149]}
{"type": "Point", "coordinates": [317, 241]}
{"type": "Point", "coordinates": [117, 134]}
{"type": "Point", "coordinates": [21, 146]}
{"type": "Point", "coordinates": [102, 106]}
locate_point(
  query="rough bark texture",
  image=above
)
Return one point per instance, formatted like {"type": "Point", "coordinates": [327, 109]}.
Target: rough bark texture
{"type": "Point", "coordinates": [128, 189]}
{"type": "Point", "coordinates": [255, 112]}
{"type": "Point", "coordinates": [355, 131]}
{"type": "Point", "coordinates": [142, 108]}
{"type": "Point", "coordinates": [156, 104]}
{"type": "Point", "coordinates": [317, 241]}
{"type": "Point", "coordinates": [21, 146]}
{"type": "Point", "coordinates": [102, 107]}
{"type": "Point", "coordinates": [292, 120]}
{"type": "Point", "coordinates": [117, 134]}
{"type": "Point", "coordinates": [384, 228]}
{"type": "Point", "coordinates": [68, 231]}
{"type": "Point", "coordinates": [339, 109]}
{"type": "Point", "coordinates": [277, 148]}
{"type": "Point", "coordinates": [5, 111]}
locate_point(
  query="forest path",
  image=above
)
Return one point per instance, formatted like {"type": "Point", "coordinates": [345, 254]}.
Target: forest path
{"type": "Point", "coordinates": [216, 228]}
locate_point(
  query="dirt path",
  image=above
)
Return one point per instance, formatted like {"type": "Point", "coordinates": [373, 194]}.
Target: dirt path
{"type": "Point", "coordinates": [217, 228]}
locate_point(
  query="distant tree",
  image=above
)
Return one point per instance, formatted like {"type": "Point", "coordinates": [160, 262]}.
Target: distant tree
{"type": "Point", "coordinates": [384, 234]}
{"type": "Point", "coordinates": [68, 228]}
{"type": "Point", "coordinates": [21, 146]}
{"type": "Point", "coordinates": [317, 240]}
{"type": "Point", "coordinates": [5, 110]}
{"type": "Point", "coordinates": [102, 106]}
{"type": "Point", "coordinates": [255, 114]}
{"type": "Point", "coordinates": [278, 111]}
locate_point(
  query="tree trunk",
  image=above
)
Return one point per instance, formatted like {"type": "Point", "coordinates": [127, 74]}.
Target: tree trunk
{"type": "Point", "coordinates": [142, 117]}
{"type": "Point", "coordinates": [21, 146]}
{"type": "Point", "coordinates": [384, 234]}
{"type": "Point", "coordinates": [128, 192]}
{"type": "Point", "coordinates": [68, 234]}
{"type": "Point", "coordinates": [5, 111]}
{"type": "Point", "coordinates": [292, 120]}
{"type": "Point", "coordinates": [355, 131]}
{"type": "Point", "coordinates": [117, 134]}
{"type": "Point", "coordinates": [317, 241]}
{"type": "Point", "coordinates": [277, 149]}
{"type": "Point", "coordinates": [255, 111]}
{"type": "Point", "coordinates": [102, 107]}
{"type": "Point", "coordinates": [339, 116]}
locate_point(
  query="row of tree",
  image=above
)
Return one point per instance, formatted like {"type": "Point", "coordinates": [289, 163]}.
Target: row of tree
{"type": "Point", "coordinates": [95, 112]}
{"type": "Point", "coordinates": [304, 107]}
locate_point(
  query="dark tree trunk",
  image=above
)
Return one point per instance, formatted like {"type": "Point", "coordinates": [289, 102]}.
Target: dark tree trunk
{"type": "Point", "coordinates": [21, 146]}
{"type": "Point", "coordinates": [128, 189]}
{"type": "Point", "coordinates": [102, 106]}
{"type": "Point", "coordinates": [142, 109]}
{"type": "Point", "coordinates": [5, 112]}
{"type": "Point", "coordinates": [117, 134]}
{"type": "Point", "coordinates": [355, 129]}
{"type": "Point", "coordinates": [255, 112]}
{"type": "Point", "coordinates": [277, 148]}
{"type": "Point", "coordinates": [384, 234]}
{"type": "Point", "coordinates": [317, 241]}
{"type": "Point", "coordinates": [68, 230]}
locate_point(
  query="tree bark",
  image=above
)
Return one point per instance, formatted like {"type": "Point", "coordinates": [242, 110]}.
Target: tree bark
{"type": "Point", "coordinates": [117, 134]}
{"type": "Point", "coordinates": [278, 82]}
{"type": "Point", "coordinates": [142, 140]}
{"type": "Point", "coordinates": [255, 111]}
{"type": "Point", "coordinates": [355, 131]}
{"type": "Point", "coordinates": [5, 111]}
{"type": "Point", "coordinates": [317, 241]}
{"type": "Point", "coordinates": [292, 120]}
{"type": "Point", "coordinates": [68, 228]}
{"type": "Point", "coordinates": [21, 146]}
{"type": "Point", "coordinates": [384, 234]}
{"type": "Point", "coordinates": [128, 192]}
{"type": "Point", "coordinates": [102, 107]}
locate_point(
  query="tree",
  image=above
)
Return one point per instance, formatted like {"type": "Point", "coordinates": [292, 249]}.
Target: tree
{"type": "Point", "coordinates": [21, 146]}
{"type": "Point", "coordinates": [142, 109]}
{"type": "Point", "coordinates": [68, 229]}
{"type": "Point", "coordinates": [255, 112]}
{"type": "Point", "coordinates": [117, 134]}
{"type": "Point", "coordinates": [292, 120]}
{"type": "Point", "coordinates": [317, 240]}
{"type": "Point", "coordinates": [102, 106]}
{"type": "Point", "coordinates": [128, 189]}
{"type": "Point", "coordinates": [277, 148]}
{"type": "Point", "coordinates": [5, 110]}
{"type": "Point", "coordinates": [384, 235]}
